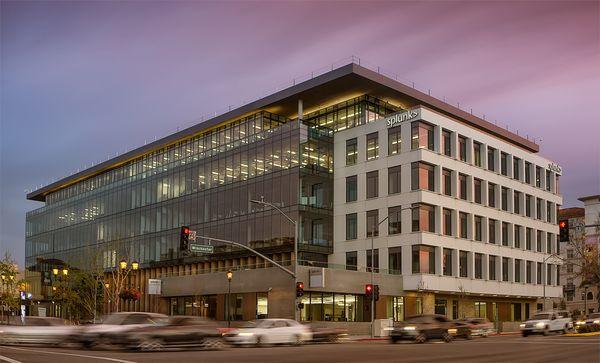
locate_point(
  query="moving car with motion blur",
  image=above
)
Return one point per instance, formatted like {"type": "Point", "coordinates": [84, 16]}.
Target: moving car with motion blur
{"type": "Point", "coordinates": [103, 335]}
{"type": "Point", "coordinates": [34, 330]}
{"type": "Point", "coordinates": [175, 332]}
{"type": "Point", "coordinates": [328, 335]}
{"type": "Point", "coordinates": [591, 323]}
{"type": "Point", "coordinates": [270, 331]}
{"type": "Point", "coordinates": [547, 322]}
{"type": "Point", "coordinates": [477, 327]}
{"type": "Point", "coordinates": [421, 328]}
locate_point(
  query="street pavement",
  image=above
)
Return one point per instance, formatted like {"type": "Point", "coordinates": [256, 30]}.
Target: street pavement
{"type": "Point", "coordinates": [493, 349]}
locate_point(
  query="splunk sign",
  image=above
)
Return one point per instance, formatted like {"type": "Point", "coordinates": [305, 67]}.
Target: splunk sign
{"type": "Point", "coordinates": [400, 117]}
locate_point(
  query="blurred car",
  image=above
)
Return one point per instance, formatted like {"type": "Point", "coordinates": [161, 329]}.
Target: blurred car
{"type": "Point", "coordinates": [176, 332]}
{"type": "Point", "coordinates": [328, 335]}
{"type": "Point", "coordinates": [590, 323]}
{"type": "Point", "coordinates": [101, 335]}
{"type": "Point", "coordinates": [478, 327]}
{"type": "Point", "coordinates": [546, 322]}
{"type": "Point", "coordinates": [270, 331]}
{"type": "Point", "coordinates": [421, 328]}
{"type": "Point", "coordinates": [36, 330]}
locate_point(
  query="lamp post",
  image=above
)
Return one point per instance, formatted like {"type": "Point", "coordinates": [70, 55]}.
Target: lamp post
{"type": "Point", "coordinates": [229, 277]}
{"type": "Point", "coordinates": [295, 263]}
{"type": "Point", "coordinates": [122, 275]}
{"type": "Point", "coordinates": [375, 227]}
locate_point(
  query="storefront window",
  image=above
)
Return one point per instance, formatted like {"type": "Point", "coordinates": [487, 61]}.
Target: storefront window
{"type": "Point", "coordinates": [440, 306]}
{"type": "Point", "coordinates": [262, 305]}
{"type": "Point", "coordinates": [330, 307]}
{"type": "Point", "coordinates": [398, 308]}
{"type": "Point", "coordinates": [480, 309]}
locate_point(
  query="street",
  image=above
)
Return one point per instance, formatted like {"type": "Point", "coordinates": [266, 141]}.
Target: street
{"type": "Point", "coordinates": [493, 349]}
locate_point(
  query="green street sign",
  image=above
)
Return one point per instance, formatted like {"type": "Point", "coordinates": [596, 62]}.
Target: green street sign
{"type": "Point", "coordinates": [201, 248]}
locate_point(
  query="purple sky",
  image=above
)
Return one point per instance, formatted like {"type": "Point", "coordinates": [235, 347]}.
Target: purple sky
{"type": "Point", "coordinates": [83, 80]}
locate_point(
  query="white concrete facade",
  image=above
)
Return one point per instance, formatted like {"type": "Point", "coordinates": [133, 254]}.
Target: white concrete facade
{"type": "Point", "coordinates": [515, 257]}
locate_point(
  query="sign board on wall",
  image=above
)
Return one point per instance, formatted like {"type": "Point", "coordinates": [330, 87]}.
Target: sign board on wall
{"type": "Point", "coordinates": [396, 119]}
{"type": "Point", "coordinates": [41, 311]}
{"type": "Point", "coordinates": [154, 287]}
{"type": "Point", "coordinates": [316, 277]}
{"type": "Point", "coordinates": [555, 168]}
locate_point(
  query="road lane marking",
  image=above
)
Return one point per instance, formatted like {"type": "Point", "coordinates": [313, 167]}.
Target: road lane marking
{"type": "Point", "coordinates": [9, 360]}
{"type": "Point", "coordinates": [70, 354]}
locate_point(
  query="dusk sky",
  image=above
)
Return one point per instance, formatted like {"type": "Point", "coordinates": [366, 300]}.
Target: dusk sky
{"type": "Point", "coordinates": [84, 80]}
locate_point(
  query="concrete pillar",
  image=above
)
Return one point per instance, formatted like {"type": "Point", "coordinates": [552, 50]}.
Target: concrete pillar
{"type": "Point", "coordinates": [469, 145]}
{"type": "Point", "coordinates": [437, 138]}
{"type": "Point", "coordinates": [470, 188]}
{"type": "Point", "coordinates": [485, 267]}
{"type": "Point", "coordinates": [511, 270]}
{"type": "Point", "coordinates": [455, 220]}
{"type": "Point", "coordinates": [484, 192]}
{"type": "Point", "coordinates": [511, 200]}
{"type": "Point", "coordinates": [484, 156]}
{"type": "Point", "coordinates": [406, 135]}
{"type": "Point", "coordinates": [437, 179]}
{"type": "Point", "coordinates": [471, 264]}
{"type": "Point", "coordinates": [438, 212]}
{"type": "Point", "coordinates": [406, 260]}
{"type": "Point", "coordinates": [455, 263]}
{"type": "Point", "coordinates": [509, 165]}
{"type": "Point", "coordinates": [470, 226]}
{"type": "Point", "coordinates": [439, 261]}
{"type": "Point", "coordinates": [454, 183]}
{"type": "Point", "coordinates": [454, 145]}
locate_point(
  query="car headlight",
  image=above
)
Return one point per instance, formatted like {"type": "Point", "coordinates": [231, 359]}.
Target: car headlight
{"type": "Point", "coordinates": [580, 322]}
{"type": "Point", "coordinates": [521, 325]}
{"type": "Point", "coordinates": [596, 321]}
{"type": "Point", "coordinates": [411, 328]}
{"type": "Point", "coordinates": [245, 334]}
{"type": "Point", "coordinates": [539, 325]}
{"type": "Point", "coordinates": [452, 331]}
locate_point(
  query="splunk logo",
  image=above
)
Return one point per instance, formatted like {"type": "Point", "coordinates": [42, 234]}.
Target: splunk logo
{"type": "Point", "coordinates": [401, 117]}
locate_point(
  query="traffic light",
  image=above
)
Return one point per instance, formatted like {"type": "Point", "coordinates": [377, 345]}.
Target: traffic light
{"type": "Point", "coordinates": [564, 231]}
{"type": "Point", "coordinates": [369, 291]}
{"type": "Point", "coordinates": [299, 289]}
{"type": "Point", "coordinates": [376, 292]}
{"type": "Point", "coordinates": [184, 238]}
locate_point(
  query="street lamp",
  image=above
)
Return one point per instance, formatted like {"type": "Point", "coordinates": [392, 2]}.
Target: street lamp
{"type": "Point", "coordinates": [295, 224]}
{"type": "Point", "coordinates": [375, 227]}
{"type": "Point", "coordinates": [229, 277]}
{"type": "Point", "coordinates": [55, 271]}
{"type": "Point", "coordinates": [65, 272]}
{"type": "Point", "coordinates": [135, 265]}
{"type": "Point", "coordinates": [123, 264]}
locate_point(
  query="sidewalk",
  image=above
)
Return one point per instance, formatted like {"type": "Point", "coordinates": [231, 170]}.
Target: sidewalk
{"type": "Point", "coordinates": [367, 338]}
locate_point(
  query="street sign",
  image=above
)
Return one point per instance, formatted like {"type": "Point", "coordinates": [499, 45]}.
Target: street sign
{"type": "Point", "coordinates": [201, 248]}
{"type": "Point", "coordinates": [192, 235]}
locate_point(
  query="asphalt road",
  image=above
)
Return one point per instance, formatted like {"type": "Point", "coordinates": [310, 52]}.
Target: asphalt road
{"type": "Point", "coordinates": [493, 349]}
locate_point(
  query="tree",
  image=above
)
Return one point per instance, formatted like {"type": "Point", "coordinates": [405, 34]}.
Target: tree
{"type": "Point", "coordinates": [10, 293]}
{"type": "Point", "coordinates": [79, 295]}
{"type": "Point", "coordinates": [586, 253]}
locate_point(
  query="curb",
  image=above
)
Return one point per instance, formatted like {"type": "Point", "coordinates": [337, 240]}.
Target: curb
{"type": "Point", "coordinates": [591, 334]}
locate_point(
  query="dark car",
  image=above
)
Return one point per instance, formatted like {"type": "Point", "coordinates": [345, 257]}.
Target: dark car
{"type": "Point", "coordinates": [176, 332]}
{"type": "Point", "coordinates": [328, 335]}
{"type": "Point", "coordinates": [421, 328]}
{"type": "Point", "coordinates": [477, 327]}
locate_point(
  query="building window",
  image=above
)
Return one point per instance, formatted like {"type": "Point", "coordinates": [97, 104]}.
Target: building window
{"type": "Point", "coordinates": [463, 223]}
{"type": "Point", "coordinates": [517, 237]}
{"type": "Point", "coordinates": [394, 220]}
{"type": "Point", "coordinates": [528, 199]}
{"type": "Point", "coordinates": [478, 228]}
{"type": "Point", "coordinates": [462, 148]}
{"type": "Point", "coordinates": [446, 143]}
{"type": "Point", "coordinates": [504, 198]}
{"type": "Point", "coordinates": [491, 230]}
{"type": "Point", "coordinates": [462, 263]}
{"type": "Point", "coordinates": [398, 308]}
{"type": "Point", "coordinates": [491, 154]}
{"type": "Point", "coordinates": [504, 268]}
{"type": "Point", "coordinates": [504, 234]}
{"type": "Point", "coordinates": [538, 176]}
{"type": "Point", "coordinates": [447, 222]}
{"type": "Point", "coordinates": [549, 211]}
{"type": "Point", "coordinates": [351, 151]}
{"type": "Point", "coordinates": [518, 270]}
{"type": "Point", "coordinates": [528, 271]}
{"type": "Point", "coordinates": [516, 202]}
{"type": "Point", "coordinates": [478, 266]}
{"type": "Point", "coordinates": [462, 183]}
{"type": "Point", "coordinates": [372, 222]}
{"type": "Point", "coordinates": [374, 260]}
{"type": "Point", "coordinates": [539, 241]}
{"type": "Point", "coordinates": [549, 248]}
{"type": "Point", "coordinates": [440, 307]}
{"type": "Point", "coordinates": [548, 274]}
{"type": "Point", "coordinates": [423, 218]}
{"type": "Point", "coordinates": [538, 209]}
{"type": "Point", "coordinates": [394, 141]}
{"type": "Point", "coordinates": [422, 136]}
{"type": "Point", "coordinates": [516, 163]}
{"type": "Point", "coordinates": [504, 164]}
{"type": "Point", "coordinates": [492, 195]}
{"type": "Point", "coordinates": [528, 236]}
{"type": "Point", "coordinates": [372, 184]}
{"type": "Point", "coordinates": [480, 309]}
{"type": "Point", "coordinates": [492, 267]}
{"type": "Point", "coordinates": [372, 146]}
{"type": "Point", "coordinates": [477, 153]}
{"type": "Point", "coordinates": [548, 178]}
{"type": "Point", "coordinates": [423, 259]}
{"type": "Point", "coordinates": [351, 226]}
{"type": "Point", "coordinates": [478, 190]}
{"type": "Point", "coordinates": [515, 311]}
{"type": "Point", "coordinates": [395, 260]}
{"type": "Point", "coordinates": [262, 305]}
{"type": "Point", "coordinates": [527, 172]}
{"type": "Point", "coordinates": [447, 178]}
{"type": "Point", "coordinates": [352, 261]}
{"type": "Point", "coordinates": [447, 262]}
{"type": "Point", "coordinates": [557, 184]}
{"type": "Point", "coordinates": [422, 176]}
{"type": "Point", "coordinates": [539, 273]}
{"type": "Point", "coordinates": [351, 188]}
{"type": "Point", "coordinates": [570, 254]}
{"type": "Point", "coordinates": [394, 180]}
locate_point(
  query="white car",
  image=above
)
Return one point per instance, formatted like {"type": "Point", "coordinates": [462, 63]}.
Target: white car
{"type": "Point", "coordinates": [546, 322]}
{"type": "Point", "coordinates": [104, 334]}
{"type": "Point", "coordinates": [37, 331]}
{"type": "Point", "coordinates": [271, 331]}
